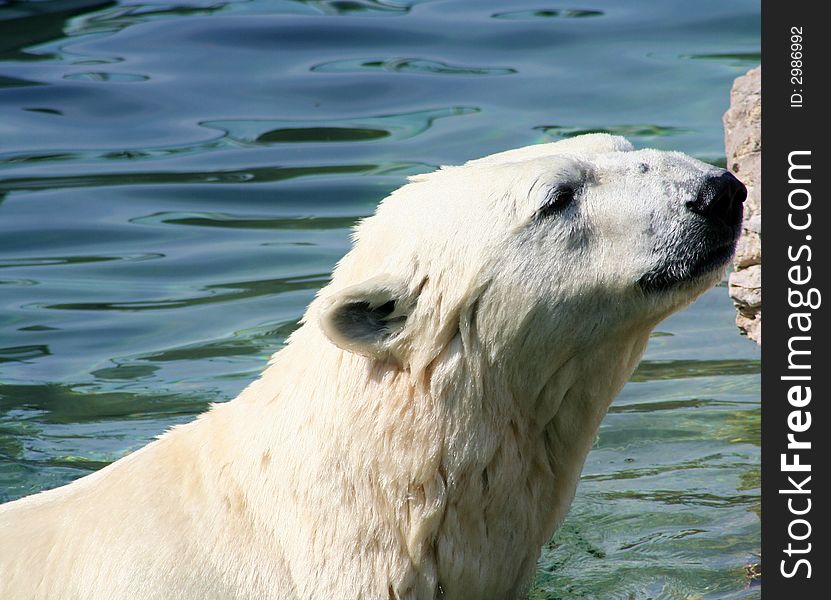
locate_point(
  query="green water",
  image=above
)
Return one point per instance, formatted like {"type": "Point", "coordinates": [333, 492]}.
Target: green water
{"type": "Point", "coordinates": [178, 178]}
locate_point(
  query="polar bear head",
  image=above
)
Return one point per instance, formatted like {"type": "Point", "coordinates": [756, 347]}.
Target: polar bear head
{"type": "Point", "coordinates": [528, 254]}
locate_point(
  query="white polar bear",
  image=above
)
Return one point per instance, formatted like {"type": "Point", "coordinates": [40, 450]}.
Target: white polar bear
{"type": "Point", "coordinates": [422, 433]}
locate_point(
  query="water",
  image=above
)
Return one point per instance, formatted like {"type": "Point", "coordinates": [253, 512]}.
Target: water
{"type": "Point", "coordinates": [178, 178]}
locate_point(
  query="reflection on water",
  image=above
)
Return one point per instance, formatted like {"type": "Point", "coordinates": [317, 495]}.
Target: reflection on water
{"type": "Point", "coordinates": [177, 180]}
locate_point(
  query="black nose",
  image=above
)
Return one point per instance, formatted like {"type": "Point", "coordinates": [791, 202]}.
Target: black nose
{"type": "Point", "coordinates": [720, 199]}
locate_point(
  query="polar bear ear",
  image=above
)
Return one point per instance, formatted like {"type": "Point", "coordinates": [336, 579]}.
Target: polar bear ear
{"type": "Point", "coordinates": [366, 318]}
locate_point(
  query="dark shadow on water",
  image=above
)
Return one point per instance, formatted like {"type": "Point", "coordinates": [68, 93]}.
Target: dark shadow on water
{"type": "Point", "coordinates": [253, 175]}
{"type": "Point", "coordinates": [549, 13]}
{"type": "Point", "coordinates": [358, 7]}
{"type": "Point", "coordinates": [648, 407]}
{"type": "Point", "coordinates": [248, 222]}
{"type": "Point", "coordinates": [238, 291]}
{"type": "Point", "coordinates": [421, 66]}
{"type": "Point", "coordinates": [24, 24]}
{"type": "Point", "coordinates": [322, 134]}
{"type": "Point", "coordinates": [655, 370]}
{"type": "Point", "coordinates": [642, 132]}
{"type": "Point", "coordinates": [23, 353]}
{"type": "Point", "coordinates": [61, 403]}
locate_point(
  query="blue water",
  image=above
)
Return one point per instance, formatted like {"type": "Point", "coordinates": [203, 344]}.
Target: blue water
{"type": "Point", "coordinates": [178, 178]}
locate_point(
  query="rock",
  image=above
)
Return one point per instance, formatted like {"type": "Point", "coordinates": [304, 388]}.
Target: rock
{"type": "Point", "coordinates": [743, 144]}
{"type": "Point", "coordinates": [746, 285]}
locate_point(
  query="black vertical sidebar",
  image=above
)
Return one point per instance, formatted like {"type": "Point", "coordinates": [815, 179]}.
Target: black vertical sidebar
{"type": "Point", "coordinates": [796, 362]}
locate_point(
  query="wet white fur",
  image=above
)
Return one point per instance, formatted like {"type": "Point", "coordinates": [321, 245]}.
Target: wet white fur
{"type": "Point", "coordinates": [432, 462]}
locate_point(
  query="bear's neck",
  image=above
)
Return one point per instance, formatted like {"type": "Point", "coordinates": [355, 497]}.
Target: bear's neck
{"type": "Point", "coordinates": [468, 474]}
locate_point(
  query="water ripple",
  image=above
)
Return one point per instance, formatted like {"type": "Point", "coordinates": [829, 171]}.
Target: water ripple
{"type": "Point", "coordinates": [408, 65]}
{"type": "Point", "coordinates": [216, 293]}
{"type": "Point", "coordinates": [50, 261]}
{"type": "Point", "coordinates": [359, 7]}
{"type": "Point", "coordinates": [656, 370]}
{"type": "Point", "coordinates": [179, 178]}
{"type": "Point", "coordinates": [102, 76]}
{"type": "Point", "coordinates": [254, 175]}
{"type": "Point", "coordinates": [643, 133]}
{"type": "Point", "coordinates": [225, 220]}
{"type": "Point", "coordinates": [549, 13]}
{"type": "Point", "coordinates": [395, 127]}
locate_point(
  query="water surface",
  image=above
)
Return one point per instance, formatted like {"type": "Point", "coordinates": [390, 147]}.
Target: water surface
{"type": "Point", "coordinates": [178, 178]}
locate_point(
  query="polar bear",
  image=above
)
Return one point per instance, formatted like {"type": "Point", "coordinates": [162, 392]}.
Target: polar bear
{"type": "Point", "coordinates": [422, 433]}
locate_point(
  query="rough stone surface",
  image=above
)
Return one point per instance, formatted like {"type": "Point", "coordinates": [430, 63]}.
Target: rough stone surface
{"type": "Point", "coordinates": [743, 143]}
